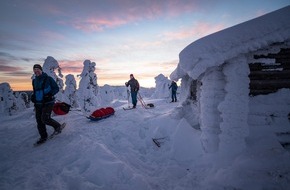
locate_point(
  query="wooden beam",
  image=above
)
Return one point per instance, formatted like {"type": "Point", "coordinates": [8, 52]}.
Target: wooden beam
{"type": "Point", "coordinates": [256, 75]}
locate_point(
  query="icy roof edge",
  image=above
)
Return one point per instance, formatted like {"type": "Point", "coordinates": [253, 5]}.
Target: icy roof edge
{"type": "Point", "coordinates": [215, 49]}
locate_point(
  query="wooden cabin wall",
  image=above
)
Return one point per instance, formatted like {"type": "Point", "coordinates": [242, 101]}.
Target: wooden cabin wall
{"type": "Point", "coordinates": [270, 71]}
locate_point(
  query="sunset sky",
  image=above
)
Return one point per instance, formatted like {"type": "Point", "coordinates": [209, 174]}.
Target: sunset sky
{"type": "Point", "coordinates": [143, 37]}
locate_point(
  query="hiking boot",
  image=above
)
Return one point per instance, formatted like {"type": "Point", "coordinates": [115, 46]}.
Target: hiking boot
{"type": "Point", "coordinates": [40, 141]}
{"type": "Point", "coordinates": [58, 130]}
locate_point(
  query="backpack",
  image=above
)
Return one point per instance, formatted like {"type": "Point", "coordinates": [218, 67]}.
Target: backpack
{"type": "Point", "coordinates": [174, 86]}
{"type": "Point", "coordinates": [150, 105]}
{"type": "Point", "coordinates": [61, 108]}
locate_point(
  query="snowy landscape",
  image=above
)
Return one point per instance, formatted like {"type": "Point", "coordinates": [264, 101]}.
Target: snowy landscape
{"type": "Point", "coordinates": [223, 139]}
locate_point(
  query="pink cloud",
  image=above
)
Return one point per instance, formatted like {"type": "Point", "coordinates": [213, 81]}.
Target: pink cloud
{"type": "Point", "coordinates": [97, 24]}
{"type": "Point", "coordinates": [76, 66]}
{"type": "Point", "coordinates": [6, 68]}
{"type": "Point", "coordinates": [154, 9]}
{"type": "Point", "coordinates": [98, 18]}
{"type": "Point", "coordinates": [69, 66]}
{"type": "Point", "coordinates": [197, 31]}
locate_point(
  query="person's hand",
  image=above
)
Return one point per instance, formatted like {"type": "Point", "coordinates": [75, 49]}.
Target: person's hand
{"type": "Point", "coordinates": [126, 83]}
{"type": "Point", "coordinates": [48, 97]}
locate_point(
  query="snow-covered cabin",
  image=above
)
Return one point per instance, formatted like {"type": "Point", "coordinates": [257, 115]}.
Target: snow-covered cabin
{"type": "Point", "coordinates": [239, 81]}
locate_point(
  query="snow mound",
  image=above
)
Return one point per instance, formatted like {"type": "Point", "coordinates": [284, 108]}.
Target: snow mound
{"type": "Point", "coordinates": [186, 143]}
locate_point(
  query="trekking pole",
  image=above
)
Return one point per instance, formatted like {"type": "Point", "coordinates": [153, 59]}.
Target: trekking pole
{"type": "Point", "coordinates": [128, 97]}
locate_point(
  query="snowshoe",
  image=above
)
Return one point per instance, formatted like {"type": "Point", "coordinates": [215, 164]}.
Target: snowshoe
{"type": "Point", "coordinates": [40, 141]}
{"type": "Point", "coordinates": [57, 131]}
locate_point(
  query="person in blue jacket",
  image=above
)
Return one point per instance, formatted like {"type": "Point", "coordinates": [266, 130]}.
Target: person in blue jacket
{"type": "Point", "coordinates": [173, 87]}
{"type": "Point", "coordinates": [44, 89]}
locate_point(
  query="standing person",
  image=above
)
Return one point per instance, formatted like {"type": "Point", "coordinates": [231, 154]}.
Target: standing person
{"type": "Point", "coordinates": [134, 84]}
{"type": "Point", "coordinates": [173, 87]}
{"type": "Point", "coordinates": [44, 89]}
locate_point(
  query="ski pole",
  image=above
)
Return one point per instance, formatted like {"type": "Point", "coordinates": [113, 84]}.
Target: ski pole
{"type": "Point", "coordinates": [128, 97]}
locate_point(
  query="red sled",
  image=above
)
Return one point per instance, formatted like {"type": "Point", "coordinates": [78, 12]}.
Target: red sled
{"type": "Point", "coordinates": [101, 113]}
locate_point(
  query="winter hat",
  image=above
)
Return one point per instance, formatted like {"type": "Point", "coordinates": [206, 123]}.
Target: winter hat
{"type": "Point", "coordinates": [37, 66]}
{"type": "Point", "coordinates": [131, 75]}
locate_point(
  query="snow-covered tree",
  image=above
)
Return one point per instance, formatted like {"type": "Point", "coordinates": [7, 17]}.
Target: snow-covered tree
{"type": "Point", "coordinates": [69, 94]}
{"type": "Point", "coordinates": [107, 94]}
{"type": "Point", "coordinates": [88, 88]}
{"type": "Point", "coordinates": [25, 97]}
{"type": "Point", "coordinates": [162, 85]}
{"type": "Point", "coordinates": [8, 103]}
{"type": "Point", "coordinates": [50, 65]}
{"type": "Point", "coordinates": [21, 101]}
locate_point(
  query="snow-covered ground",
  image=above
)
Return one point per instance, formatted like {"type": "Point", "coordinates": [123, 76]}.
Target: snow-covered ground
{"type": "Point", "coordinates": [118, 153]}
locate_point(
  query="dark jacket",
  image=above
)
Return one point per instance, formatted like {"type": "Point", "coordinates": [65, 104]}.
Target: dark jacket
{"type": "Point", "coordinates": [44, 89]}
{"type": "Point", "coordinates": [173, 86]}
{"type": "Point", "coordinates": [134, 84]}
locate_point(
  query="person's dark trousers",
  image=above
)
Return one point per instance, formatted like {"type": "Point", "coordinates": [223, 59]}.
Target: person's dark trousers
{"type": "Point", "coordinates": [43, 117]}
{"type": "Point", "coordinates": [134, 98]}
{"type": "Point", "coordinates": [173, 96]}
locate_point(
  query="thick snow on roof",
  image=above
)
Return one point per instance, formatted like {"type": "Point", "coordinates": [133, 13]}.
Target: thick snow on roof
{"type": "Point", "coordinates": [215, 49]}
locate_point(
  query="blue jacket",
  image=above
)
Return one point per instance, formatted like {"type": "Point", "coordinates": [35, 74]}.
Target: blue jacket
{"type": "Point", "coordinates": [173, 86]}
{"type": "Point", "coordinates": [50, 88]}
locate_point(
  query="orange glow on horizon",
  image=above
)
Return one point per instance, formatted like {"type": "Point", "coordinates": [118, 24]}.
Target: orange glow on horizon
{"type": "Point", "coordinates": [25, 84]}
{"type": "Point", "coordinates": [21, 87]}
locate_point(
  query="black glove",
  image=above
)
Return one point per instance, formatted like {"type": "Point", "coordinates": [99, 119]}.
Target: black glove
{"type": "Point", "coordinates": [126, 83]}
{"type": "Point", "coordinates": [48, 97]}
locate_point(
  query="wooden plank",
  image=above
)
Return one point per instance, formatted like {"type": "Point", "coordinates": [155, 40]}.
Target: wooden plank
{"type": "Point", "coordinates": [283, 53]}
{"type": "Point", "coordinates": [255, 92]}
{"type": "Point", "coordinates": [257, 66]}
{"type": "Point", "coordinates": [270, 77]}
{"type": "Point", "coordinates": [256, 75]}
{"type": "Point", "coordinates": [269, 84]}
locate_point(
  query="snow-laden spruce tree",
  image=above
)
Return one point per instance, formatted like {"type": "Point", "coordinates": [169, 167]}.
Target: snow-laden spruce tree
{"type": "Point", "coordinates": [9, 104]}
{"type": "Point", "coordinates": [50, 66]}
{"type": "Point", "coordinates": [69, 94]}
{"type": "Point", "coordinates": [88, 88]}
{"type": "Point", "coordinates": [162, 85]}
{"type": "Point", "coordinates": [22, 101]}
{"type": "Point", "coordinates": [106, 94]}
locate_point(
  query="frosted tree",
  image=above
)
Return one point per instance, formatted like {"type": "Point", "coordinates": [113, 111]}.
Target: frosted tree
{"type": "Point", "coordinates": [8, 102]}
{"type": "Point", "coordinates": [107, 94]}
{"type": "Point", "coordinates": [88, 88]}
{"type": "Point", "coordinates": [162, 85]}
{"type": "Point", "coordinates": [70, 91]}
{"type": "Point", "coordinates": [50, 66]}
{"type": "Point", "coordinates": [22, 101]}
{"type": "Point", "coordinates": [25, 97]}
